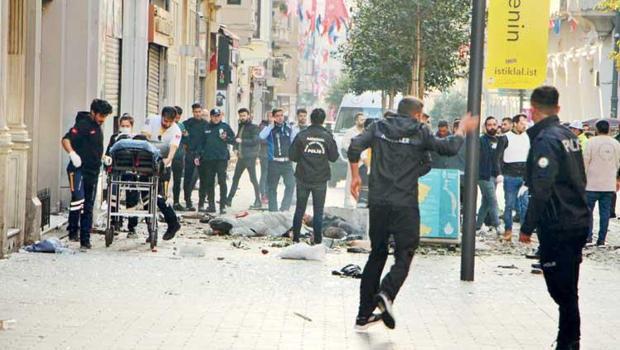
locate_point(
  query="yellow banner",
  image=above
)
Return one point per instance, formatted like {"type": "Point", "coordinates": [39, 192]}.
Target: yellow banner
{"type": "Point", "coordinates": [518, 36]}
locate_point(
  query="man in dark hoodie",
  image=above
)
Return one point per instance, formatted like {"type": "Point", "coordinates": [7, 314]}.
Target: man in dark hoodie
{"type": "Point", "coordinates": [214, 160]}
{"type": "Point", "coordinates": [247, 144]}
{"type": "Point", "coordinates": [84, 144]}
{"type": "Point", "coordinates": [192, 142]}
{"type": "Point", "coordinates": [312, 150]}
{"type": "Point", "coordinates": [491, 151]}
{"type": "Point", "coordinates": [400, 145]}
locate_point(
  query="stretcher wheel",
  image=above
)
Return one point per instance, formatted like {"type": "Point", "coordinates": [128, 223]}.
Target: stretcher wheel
{"type": "Point", "coordinates": [153, 236]}
{"type": "Point", "coordinates": [109, 236]}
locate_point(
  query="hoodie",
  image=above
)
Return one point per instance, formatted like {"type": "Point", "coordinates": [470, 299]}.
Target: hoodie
{"type": "Point", "coordinates": [400, 155]}
{"type": "Point", "coordinates": [86, 138]}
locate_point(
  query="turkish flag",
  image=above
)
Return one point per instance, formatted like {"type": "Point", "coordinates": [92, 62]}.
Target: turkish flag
{"type": "Point", "coordinates": [335, 13]}
{"type": "Point", "coordinates": [213, 62]}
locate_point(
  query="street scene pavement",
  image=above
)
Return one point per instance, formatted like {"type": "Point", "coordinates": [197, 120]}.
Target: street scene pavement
{"type": "Point", "coordinates": [203, 292]}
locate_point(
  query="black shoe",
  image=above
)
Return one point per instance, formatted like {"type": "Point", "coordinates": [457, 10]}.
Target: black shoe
{"type": "Point", "coordinates": [571, 346]}
{"type": "Point", "coordinates": [363, 323]}
{"type": "Point", "coordinates": [178, 207]}
{"type": "Point", "coordinates": [132, 233]}
{"type": "Point", "coordinates": [600, 243]}
{"type": "Point", "coordinates": [257, 205]}
{"type": "Point", "coordinates": [537, 266]}
{"type": "Point", "coordinates": [86, 245]}
{"type": "Point", "coordinates": [171, 231]}
{"type": "Point", "coordinates": [148, 238]}
{"type": "Point", "coordinates": [387, 314]}
{"type": "Point", "coordinates": [74, 238]}
{"type": "Point", "coordinates": [190, 207]}
{"type": "Point", "coordinates": [211, 209]}
{"type": "Point", "coordinates": [222, 210]}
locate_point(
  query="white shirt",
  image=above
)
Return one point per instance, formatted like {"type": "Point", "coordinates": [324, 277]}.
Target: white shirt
{"type": "Point", "coordinates": [602, 160]}
{"type": "Point", "coordinates": [518, 148]}
{"type": "Point", "coordinates": [152, 127]}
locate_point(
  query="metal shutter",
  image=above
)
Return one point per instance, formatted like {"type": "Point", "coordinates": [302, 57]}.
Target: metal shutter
{"type": "Point", "coordinates": [153, 86]}
{"type": "Point", "coordinates": [112, 73]}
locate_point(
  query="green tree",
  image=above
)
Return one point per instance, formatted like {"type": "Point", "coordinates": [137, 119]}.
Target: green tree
{"type": "Point", "coordinates": [449, 106]}
{"type": "Point", "coordinates": [337, 90]}
{"type": "Point", "coordinates": [406, 46]}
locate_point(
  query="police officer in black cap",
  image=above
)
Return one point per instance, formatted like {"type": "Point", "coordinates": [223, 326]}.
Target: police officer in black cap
{"type": "Point", "coordinates": [557, 209]}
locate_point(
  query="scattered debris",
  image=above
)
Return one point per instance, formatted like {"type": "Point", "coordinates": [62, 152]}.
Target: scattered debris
{"type": "Point", "coordinates": [264, 251]}
{"type": "Point", "coordinates": [240, 245]}
{"type": "Point", "coordinates": [306, 318]}
{"type": "Point", "coordinates": [358, 250]}
{"type": "Point", "coordinates": [303, 251]}
{"type": "Point", "coordinates": [220, 258]}
{"type": "Point", "coordinates": [351, 270]}
{"type": "Point", "coordinates": [507, 266]}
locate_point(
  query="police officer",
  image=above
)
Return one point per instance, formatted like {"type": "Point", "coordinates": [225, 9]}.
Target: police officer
{"type": "Point", "coordinates": [400, 146]}
{"type": "Point", "coordinates": [312, 150]}
{"type": "Point", "coordinates": [84, 144]}
{"type": "Point", "coordinates": [213, 161]}
{"type": "Point", "coordinates": [557, 209]}
{"type": "Point", "coordinates": [192, 142]}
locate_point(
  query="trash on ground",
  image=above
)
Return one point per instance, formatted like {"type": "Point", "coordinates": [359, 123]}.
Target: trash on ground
{"type": "Point", "coordinates": [303, 251]}
{"type": "Point", "coordinates": [507, 266]}
{"type": "Point", "coordinates": [220, 258]}
{"type": "Point", "coordinates": [240, 245]}
{"type": "Point", "coordinates": [302, 316]}
{"type": "Point", "coordinates": [351, 270]}
{"type": "Point", "coordinates": [6, 324]}
{"type": "Point", "coordinates": [49, 245]}
{"type": "Point", "coordinates": [358, 250]}
{"type": "Point", "coordinates": [264, 251]}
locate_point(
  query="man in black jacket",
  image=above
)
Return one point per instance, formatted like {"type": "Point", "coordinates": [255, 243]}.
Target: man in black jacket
{"type": "Point", "coordinates": [400, 147]}
{"type": "Point", "coordinates": [312, 150]}
{"type": "Point", "coordinates": [192, 143]}
{"type": "Point", "coordinates": [84, 144]}
{"type": "Point", "coordinates": [247, 144]}
{"type": "Point", "coordinates": [557, 208]}
{"type": "Point", "coordinates": [213, 160]}
{"type": "Point", "coordinates": [490, 174]}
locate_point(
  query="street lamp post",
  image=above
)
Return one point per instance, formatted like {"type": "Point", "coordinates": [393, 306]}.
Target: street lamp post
{"type": "Point", "coordinates": [476, 62]}
{"type": "Point", "coordinates": [614, 80]}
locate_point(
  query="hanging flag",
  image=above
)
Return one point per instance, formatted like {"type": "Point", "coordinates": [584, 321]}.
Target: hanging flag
{"type": "Point", "coordinates": [335, 13]}
{"type": "Point", "coordinates": [325, 56]}
{"type": "Point", "coordinates": [557, 25]}
{"type": "Point", "coordinates": [300, 12]}
{"type": "Point", "coordinates": [311, 15]}
{"type": "Point", "coordinates": [213, 63]}
{"type": "Point", "coordinates": [572, 22]}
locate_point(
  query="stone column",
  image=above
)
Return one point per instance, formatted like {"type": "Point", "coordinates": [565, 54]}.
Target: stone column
{"type": "Point", "coordinates": [5, 137]}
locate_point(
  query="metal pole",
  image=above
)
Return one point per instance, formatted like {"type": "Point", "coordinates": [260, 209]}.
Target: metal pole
{"type": "Point", "coordinates": [614, 83]}
{"type": "Point", "coordinates": [476, 63]}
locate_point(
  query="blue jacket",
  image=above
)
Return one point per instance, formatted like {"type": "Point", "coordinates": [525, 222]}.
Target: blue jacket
{"type": "Point", "coordinates": [279, 140]}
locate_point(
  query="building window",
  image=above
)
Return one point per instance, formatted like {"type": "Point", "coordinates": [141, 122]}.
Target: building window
{"type": "Point", "coordinates": [233, 2]}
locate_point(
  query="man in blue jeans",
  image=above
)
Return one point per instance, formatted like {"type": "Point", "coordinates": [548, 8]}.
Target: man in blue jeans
{"type": "Point", "coordinates": [514, 167]}
{"type": "Point", "coordinates": [491, 147]}
{"type": "Point", "coordinates": [602, 160]}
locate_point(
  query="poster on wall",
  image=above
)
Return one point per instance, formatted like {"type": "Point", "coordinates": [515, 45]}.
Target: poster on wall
{"type": "Point", "coordinates": [439, 200]}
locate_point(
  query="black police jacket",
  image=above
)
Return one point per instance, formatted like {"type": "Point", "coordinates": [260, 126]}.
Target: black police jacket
{"type": "Point", "coordinates": [195, 135]}
{"type": "Point", "coordinates": [86, 139]}
{"type": "Point", "coordinates": [400, 155]}
{"type": "Point", "coordinates": [312, 150]}
{"type": "Point", "coordinates": [250, 142]}
{"type": "Point", "coordinates": [213, 146]}
{"type": "Point", "coordinates": [556, 179]}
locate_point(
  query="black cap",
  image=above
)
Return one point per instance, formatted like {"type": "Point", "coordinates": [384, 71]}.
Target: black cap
{"type": "Point", "coordinates": [215, 111]}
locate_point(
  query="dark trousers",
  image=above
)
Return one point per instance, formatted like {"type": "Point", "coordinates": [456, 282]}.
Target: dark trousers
{"type": "Point", "coordinates": [613, 205]}
{"type": "Point", "coordinates": [264, 166]}
{"type": "Point", "coordinates": [189, 179]}
{"type": "Point", "coordinates": [318, 192]}
{"type": "Point", "coordinates": [275, 171]}
{"type": "Point", "coordinates": [132, 200]}
{"type": "Point", "coordinates": [209, 169]}
{"type": "Point", "coordinates": [177, 177]}
{"type": "Point", "coordinates": [560, 262]}
{"type": "Point", "coordinates": [83, 192]}
{"type": "Point", "coordinates": [242, 165]}
{"type": "Point", "coordinates": [404, 224]}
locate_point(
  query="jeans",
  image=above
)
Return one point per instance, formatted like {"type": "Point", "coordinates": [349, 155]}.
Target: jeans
{"type": "Point", "coordinates": [275, 171]}
{"type": "Point", "coordinates": [511, 189]}
{"type": "Point", "coordinates": [242, 165]}
{"type": "Point", "coordinates": [403, 223]}
{"type": "Point", "coordinates": [189, 179]}
{"type": "Point", "coordinates": [560, 262]}
{"type": "Point", "coordinates": [318, 192]}
{"type": "Point", "coordinates": [83, 192]}
{"type": "Point", "coordinates": [488, 205]}
{"type": "Point", "coordinates": [177, 177]}
{"type": "Point", "coordinates": [264, 165]}
{"type": "Point", "coordinates": [209, 169]}
{"type": "Point", "coordinates": [604, 212]}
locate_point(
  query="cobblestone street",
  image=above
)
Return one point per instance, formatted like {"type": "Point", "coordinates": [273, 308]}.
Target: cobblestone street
{"type": "Point", "coordinates": [126, 297]}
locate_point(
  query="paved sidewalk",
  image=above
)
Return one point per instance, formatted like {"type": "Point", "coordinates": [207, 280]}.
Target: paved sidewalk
{"type": "Point", "coordinates": [129, 298]}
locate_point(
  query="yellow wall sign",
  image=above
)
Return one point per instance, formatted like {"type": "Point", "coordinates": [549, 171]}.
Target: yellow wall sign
{"type": "Point", "coordinates": [518, 35]}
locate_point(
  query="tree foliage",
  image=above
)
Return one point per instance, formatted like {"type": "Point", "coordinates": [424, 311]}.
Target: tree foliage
{"type": "Point", "coordinates": [449, 106]}
{"type": "Point", "coordinates": [337, 90]}
{"type": "Point", "coordinates": [381, 49]}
